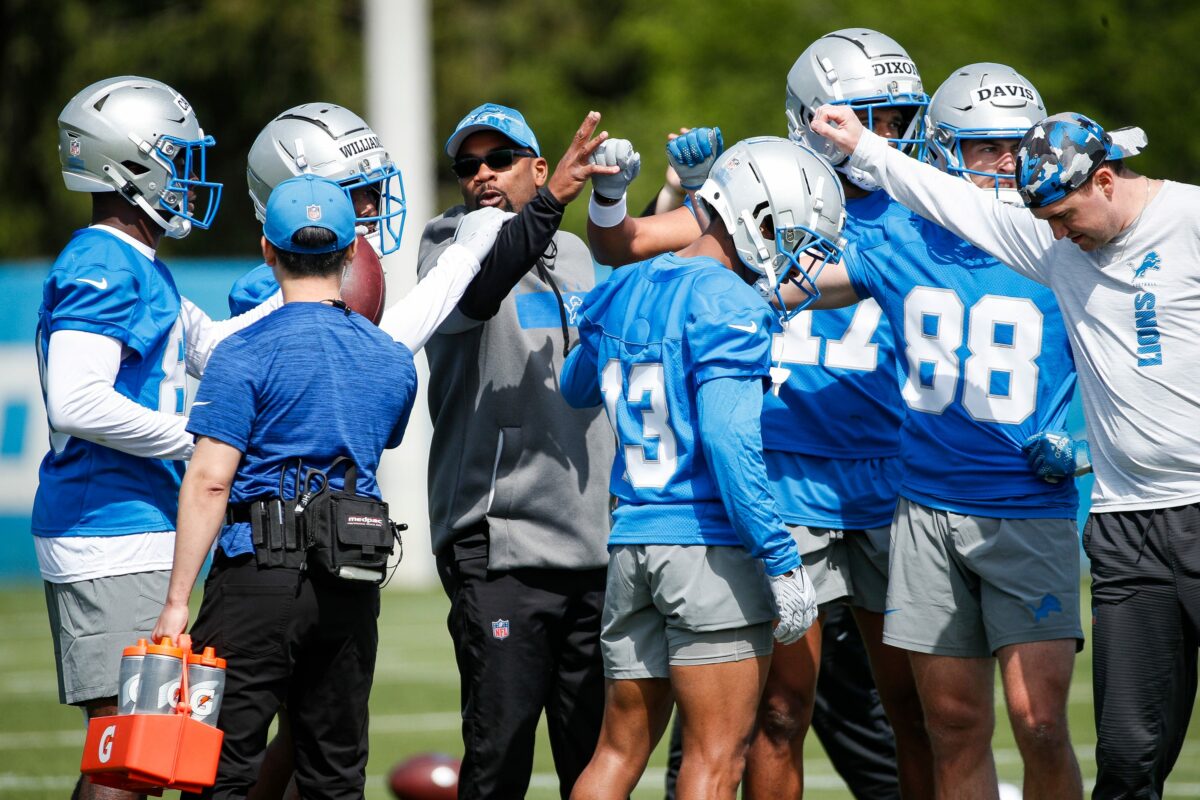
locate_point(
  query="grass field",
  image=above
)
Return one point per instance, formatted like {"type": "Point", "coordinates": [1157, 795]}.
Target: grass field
{"type": "Point", "coordinates": [413, 709]}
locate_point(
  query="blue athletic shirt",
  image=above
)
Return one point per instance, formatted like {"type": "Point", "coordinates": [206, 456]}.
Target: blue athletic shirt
{"type": "Point", "coordinates": [309, 381]}
{"type": "Point", "coordinates": [252, 289]}
{"type": "Point", "coordinates": [832, 434]}
{"type": "Point", "coordinates": [651, 336]}
{"type": "Point", "coordinates": [101, 284]}
{"type": "Point", "coordinates": [984, 363]}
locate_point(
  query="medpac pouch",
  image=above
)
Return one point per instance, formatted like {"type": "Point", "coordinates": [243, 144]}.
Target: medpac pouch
{"type": "Point", "coordinates": [349, 536]}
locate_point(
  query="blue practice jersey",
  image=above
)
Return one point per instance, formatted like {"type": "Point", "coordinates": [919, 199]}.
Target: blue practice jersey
{"type": "Point", "coordinates": [650, 336]}
{"type": "Point", "coordinates": [840, 401]}
{"type": "Point", "coordinates": [252, 289]}
{"type": "Point", "coordinates": [307, 382]}
{"type": "Point", "coordinates": [101, 284]}
{"type": "Point", "coordinates": [984, 363]}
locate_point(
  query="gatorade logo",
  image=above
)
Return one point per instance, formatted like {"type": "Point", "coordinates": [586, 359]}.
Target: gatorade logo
{"type": "Point", "coordinates": [104, 752]}
{"type": "Point", "coordinates": [204, 696]}
{"type": "Point", "coordinates": [168, 695]}
{"type": "Point", "coordinates": [130, 692]}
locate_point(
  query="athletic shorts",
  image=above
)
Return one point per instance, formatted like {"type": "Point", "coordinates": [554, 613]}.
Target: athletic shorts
{"type": "Point", "coordinates": [675, 605]}
{"type": "Point", "coordinates": [846, 565]}
{"type": "Point", "coordinates": [92, 622]}
{"type": "Point", "coordinates": [968, 585]}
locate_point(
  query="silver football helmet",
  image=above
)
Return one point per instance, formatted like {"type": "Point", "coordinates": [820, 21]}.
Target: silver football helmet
{"type": "Point", "coordinates": [784, 208]}
{"type": "Point", "coordinates": [139, 137]}
{"type": "Point", "coordinates": [863, 69]}
{"type": "Point", "coordinates": [980, 101]}
{"type": "Point", "coordinates": [335, 143]}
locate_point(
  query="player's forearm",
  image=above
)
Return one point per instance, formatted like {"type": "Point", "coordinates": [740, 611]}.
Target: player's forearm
{"type": "Point", "coordinates": [418, 314]}
{"type": "Point", "coordinates": [202, 334]}
{"type": "Point", "coordinates": [520, 243]}
{"type": "Point", "coordinates": [81, 401]}
{"type": "Point", "coordinates": [634, 240]}
{"type": "Point", "coordinates": [730, 433]}
{"type": "Point", "coordinates": [1010, 234]}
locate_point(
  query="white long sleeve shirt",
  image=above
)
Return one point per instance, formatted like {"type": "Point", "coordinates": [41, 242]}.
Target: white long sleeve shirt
{"type": "Point", "coordinates": [1132, 310]}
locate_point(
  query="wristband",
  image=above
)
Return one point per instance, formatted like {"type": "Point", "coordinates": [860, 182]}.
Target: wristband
{"type": "Point", "coordinates": [606, 216]}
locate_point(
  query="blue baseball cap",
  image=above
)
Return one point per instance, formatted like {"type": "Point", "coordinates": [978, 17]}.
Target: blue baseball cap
{"type": "Point", "coordinates": [308, 201]}
{"type": "Point", "coordinates": [493, 117]}
{"type": "Point", "coordinates": [1058, 155]}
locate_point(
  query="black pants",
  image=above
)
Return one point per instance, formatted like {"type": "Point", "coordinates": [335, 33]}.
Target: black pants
{"type": "Point", "coordinates": [288, 637]}
{"type": "Point", "coordinates": [525, 640]}
{"type": "Point", "coordinates": [848, 717]}
{"type": "Point", "coordinates": [1146, 612]}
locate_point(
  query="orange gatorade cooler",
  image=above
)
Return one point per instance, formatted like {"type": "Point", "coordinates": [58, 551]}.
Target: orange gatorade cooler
{"type": "Point", "coordinates": [162, 748]}
{"type": "Point", "coordinates": [130, 676]}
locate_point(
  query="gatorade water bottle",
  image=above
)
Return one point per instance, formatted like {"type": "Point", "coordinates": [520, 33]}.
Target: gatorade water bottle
{"type": "Point", "coordinates": [206, 684]}
{"type": "Point", "coordinates": [130, 676]}
{"type": "Point", "coordinates": [162, 671]}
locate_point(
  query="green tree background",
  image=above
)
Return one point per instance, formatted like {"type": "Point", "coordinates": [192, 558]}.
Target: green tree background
{"type": "Point", "coordinates": [649, 67]}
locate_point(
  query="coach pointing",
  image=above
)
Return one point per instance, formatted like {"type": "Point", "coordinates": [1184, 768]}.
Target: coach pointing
{"type": "Point", "coordinates": [518, 496]}
{"type": "Point", "coordinates": [1121, 253]}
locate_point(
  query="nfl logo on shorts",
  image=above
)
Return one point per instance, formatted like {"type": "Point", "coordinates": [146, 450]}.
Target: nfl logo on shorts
{"type": "Point", "coordinates": [500, 629]}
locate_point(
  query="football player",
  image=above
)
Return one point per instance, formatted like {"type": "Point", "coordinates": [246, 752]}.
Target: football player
{"type": "Point", "coordinates": [678, 350]}
{"type": "Point", "coordinates": [984, 561]}
{"type": "Point", "coordinates": [333, 142]}
{"type": "Point", "coordinates": [115, 343]}
{"type": "Point", "coordinates": [1117, 249]}
{"type": "Point", "coordinates": [830, 434]}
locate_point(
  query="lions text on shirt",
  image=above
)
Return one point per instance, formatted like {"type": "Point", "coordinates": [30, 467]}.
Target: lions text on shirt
{"type": "Point", "coordinates": [831, 435]}
{"type": "Point", "coordinates": [1132, 311]}
{"type": "Point", "coordinates": [984, 362]}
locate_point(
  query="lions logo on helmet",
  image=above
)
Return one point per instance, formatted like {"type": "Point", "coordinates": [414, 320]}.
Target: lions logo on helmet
{"type": "Point", "coordinates": [139, 137]}
{"type": "Point", "coordinates": [863, 69]}
{"type": "Point", "coordinates": [783, 206]}
{"type": "Point", "coordinates": [335, 143]}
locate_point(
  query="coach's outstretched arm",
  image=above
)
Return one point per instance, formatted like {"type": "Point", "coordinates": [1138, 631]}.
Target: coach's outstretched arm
{"type": "Point", "coordinates": [1013, 235]}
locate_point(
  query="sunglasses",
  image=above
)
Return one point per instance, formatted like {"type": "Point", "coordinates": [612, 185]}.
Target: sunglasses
{"type": "Point", "coordinates": [467, 166]}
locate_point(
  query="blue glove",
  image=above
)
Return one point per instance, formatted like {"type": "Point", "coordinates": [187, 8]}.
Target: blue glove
{"type": "Point", "coordinates": [1054, 455]}
{"type": "Point", "coordinates": [692, 155]}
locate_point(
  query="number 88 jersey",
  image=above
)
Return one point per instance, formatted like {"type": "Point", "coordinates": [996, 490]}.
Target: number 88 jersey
{"type": "Point", "coordinates": [654, 333]}
{"type": "Point", "coordinates": [984, 362]}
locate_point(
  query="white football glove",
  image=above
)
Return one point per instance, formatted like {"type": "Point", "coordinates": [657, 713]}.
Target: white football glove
{"type": "Point", "coordinates": [692, 154]}
{"type": "Point", "coordinates": [615, 153]}
{"type": "Point", "coordinates": [477, 230]}
{"type": "Point", "coordinates": [796, 602]}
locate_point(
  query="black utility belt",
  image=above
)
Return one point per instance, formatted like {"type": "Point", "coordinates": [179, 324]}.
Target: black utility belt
{"type": "Point", "coordinates": [338, 533]}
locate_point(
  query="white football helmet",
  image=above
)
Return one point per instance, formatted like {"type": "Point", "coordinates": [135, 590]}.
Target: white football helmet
{"type": "Point", "coordinates": [779, 201]}
{"type": "Point", "coordinates": [863, 69]}
{"type": "Point", "coordinates": [980, 101]}
{"type": "Point", "coordinates": [335, 143]}
{"type": "Point", "coordinates": [139, 137]}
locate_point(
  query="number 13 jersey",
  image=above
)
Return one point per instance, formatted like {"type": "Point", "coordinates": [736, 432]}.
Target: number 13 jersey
{"type": "Point", "coordinates": [984, 362]}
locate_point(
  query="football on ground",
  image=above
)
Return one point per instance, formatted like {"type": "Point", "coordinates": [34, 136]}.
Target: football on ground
{"type": "Point", "coordinates": [363, 286]}
{"type": "Point", "coordinates": [428, 776]}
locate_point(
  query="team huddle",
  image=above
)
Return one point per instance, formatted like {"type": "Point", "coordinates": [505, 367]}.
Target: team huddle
{"type": "Point", "coordinates": [837, 364]}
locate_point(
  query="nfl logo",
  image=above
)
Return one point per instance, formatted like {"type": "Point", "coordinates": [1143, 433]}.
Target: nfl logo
{"type": "Point", "coordinates": [74, 147]}
{"type": "Point", "coordinates": [500, 629]}
{"type": "Point", "coordinates": [314, 212]}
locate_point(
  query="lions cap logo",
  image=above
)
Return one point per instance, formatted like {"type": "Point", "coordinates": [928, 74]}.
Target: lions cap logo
{"type": "Point", "coordinates": [314, 212]}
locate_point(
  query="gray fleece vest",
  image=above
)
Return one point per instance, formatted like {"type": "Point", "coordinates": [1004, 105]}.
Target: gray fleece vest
{"type": "Point", "coordinates": [506, 447]}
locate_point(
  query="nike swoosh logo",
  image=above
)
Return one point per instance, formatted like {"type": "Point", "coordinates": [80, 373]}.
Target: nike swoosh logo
{"type": "Point", "coordinates": [201, 403]}
{"type": "Point", "coordinates": [751, 328]}
{"type": "Point", "coordinates": [887, 611]}
{"type": "Point", "coordinates": [99, 284]}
